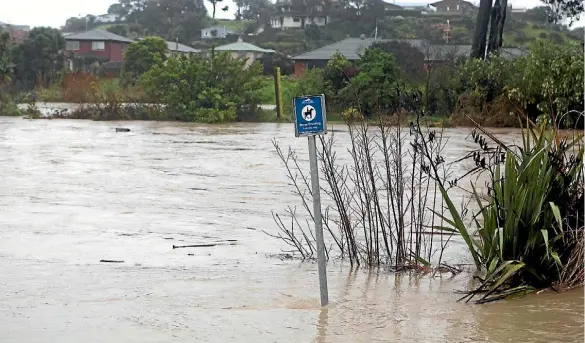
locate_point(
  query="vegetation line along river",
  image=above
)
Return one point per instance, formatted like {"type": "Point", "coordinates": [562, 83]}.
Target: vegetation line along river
{"type": "Point", "coordinates": [76, 192]}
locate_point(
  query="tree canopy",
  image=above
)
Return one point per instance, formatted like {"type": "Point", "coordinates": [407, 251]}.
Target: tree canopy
{"type": "Point", "coordinates": [40, 57]}
{"type": "Point", "coordinates": [171, 19]}
{"type": "Point", "coordinates": [141, 56]}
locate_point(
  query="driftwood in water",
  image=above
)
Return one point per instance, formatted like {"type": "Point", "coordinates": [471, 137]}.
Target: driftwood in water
{"type": "Point", "coordinates": [110, 261]}
{"type": "Point", "coordinates": [122, 129]}
{"type": "Point", "coordinates": [194, 246]}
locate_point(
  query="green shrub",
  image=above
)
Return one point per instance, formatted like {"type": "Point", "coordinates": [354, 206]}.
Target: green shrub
{"type": "Point", "coordinates": [141, 56]}
{"type": "Point", "coordinates": [373, 89]}
{"type": "Point", "coordinates": [550, 80]}
{"type": "Point", "coordinates": [9, 109]}
{"type": "Point", "coordinates": [216, 89]}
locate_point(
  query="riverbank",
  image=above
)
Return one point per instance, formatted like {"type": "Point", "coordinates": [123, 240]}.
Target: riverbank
{"type": "Point", "coordinates": [155, 112]}
{"type": "Point", "coordinates": [84, 193]}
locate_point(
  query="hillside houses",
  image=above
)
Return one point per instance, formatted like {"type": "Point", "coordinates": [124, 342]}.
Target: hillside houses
{"type": "Point", "coordinates": [106, 47]}
{"type": "Point", "coordinates": [453, 6]}
{"type": "Point", "coordinates": [286, 15]}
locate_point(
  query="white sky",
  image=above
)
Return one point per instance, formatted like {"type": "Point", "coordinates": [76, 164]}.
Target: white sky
{"type": "Point", "coordinates": [55, 12]}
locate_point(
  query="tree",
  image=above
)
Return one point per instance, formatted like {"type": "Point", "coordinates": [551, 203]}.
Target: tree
{"type": "Point", "coordinates": [117, 9]}
{"type": "Point", "coordinates": [40, 57]}
{"type": "Point", "coordinates": [550, 80]}
{"type": "Point", "coordinates": [373, 89]}
{"type": "Point", "coordinates": [497, 25]}
{"type": "Point", "coordinates": [410, 59]}
{"type": "Point", "coordinates": [141, 56]}
{"type": "Point", "coordinates": [120, 30]}
{"type": "Point", "coordinates": [565, 9]}
{"type": "Point", "coordinates": [6, 65]}
{"type": "Point", "coordinates": [559, 9]}
{"type": "Point", "coordinates": [75, 24]}
{"type": "Point", "coordinates": [215, 89]}
{"type": "Point", "coordinates": [481, 29]}
{"type": "Point", "coordinates": [214, 4]}
{"type": "Point", "coordinates": [277, 59]}
{"type": "Point", "coordinates": [172, 19]}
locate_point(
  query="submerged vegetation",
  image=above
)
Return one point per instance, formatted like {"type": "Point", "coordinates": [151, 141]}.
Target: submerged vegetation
{"type": "Point", "coordinates": [393, 205]}
{"type": "Point", "coordinates": [530, 232]}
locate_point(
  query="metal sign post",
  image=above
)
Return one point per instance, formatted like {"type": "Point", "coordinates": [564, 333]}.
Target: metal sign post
{"type": "Point", "coordinates": [311, 121]}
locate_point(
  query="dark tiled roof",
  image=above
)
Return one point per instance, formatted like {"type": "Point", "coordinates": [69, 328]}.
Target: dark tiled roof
{"type": "Point", "coordinates": [352, 48]}
{"type": "Point", "coordinates": [99, 35]}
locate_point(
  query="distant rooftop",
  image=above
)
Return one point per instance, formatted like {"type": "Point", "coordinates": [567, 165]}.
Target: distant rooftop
{"type": "Point", "coordinates": [16, 27]}
{"type": "Point", "coordinates": [178, 47]}
{"type": "Point", "coordinates": [352, 48]}
{"type": "Point", "coordinates": [242, 46]}
{"type": "Point", "coordinates": [98, 34]}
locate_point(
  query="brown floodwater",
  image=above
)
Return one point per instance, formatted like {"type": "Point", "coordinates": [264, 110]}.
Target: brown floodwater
{"type": "Point", "coordinates": [76, 192]}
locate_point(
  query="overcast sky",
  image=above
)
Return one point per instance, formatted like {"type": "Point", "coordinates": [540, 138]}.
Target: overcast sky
{"type": "Point", "coordinates": [55, 12]}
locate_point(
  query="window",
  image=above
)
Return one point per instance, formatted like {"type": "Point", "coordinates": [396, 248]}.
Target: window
{"type": "Point", "coordinates": [98, 45]}
{"type": "Point", "coordinates": [447, 8]}
{"type": "Point", "coordinates": [72, 45]}
{"type": "Point", "coordinates": [296, 19]}
{"type": "Point", "coordinates": [458, 7]}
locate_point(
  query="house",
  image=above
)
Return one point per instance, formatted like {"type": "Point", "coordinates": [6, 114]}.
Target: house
{"type": "Point", "coordinates": [241, 49]}
{"type": "Point", "coordinates": [287, 16]}
{"type": "Point", "coordinates": [413, 6]}
{"type": "Point", "coordinates": [215, 32]}
{"type": "Point", "coordinates": [453, 6]}
{"type": "Point", "coordinates": [101, 44]}
{"type": "Point", "coordinates": [352, 48]}
{"type": "Point", "coordinates": [108, 18]}
{"type": "Point", "coordinates": [17, 33]}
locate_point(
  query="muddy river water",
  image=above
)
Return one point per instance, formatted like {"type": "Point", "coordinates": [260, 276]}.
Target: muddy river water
{"type": "Point", "coordinates": [76, 192]}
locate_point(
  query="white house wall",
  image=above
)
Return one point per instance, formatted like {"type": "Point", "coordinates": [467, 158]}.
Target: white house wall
{"type": "Point", "coordinates": [296, 22]}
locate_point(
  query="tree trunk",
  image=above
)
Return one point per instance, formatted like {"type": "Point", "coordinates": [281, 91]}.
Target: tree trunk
{"type": "Point", "coordinates": [214, 4]}
{"type": "Point", "coordinates": [481, 27]}
{"type": "Point", "coordinates": [497, 26]}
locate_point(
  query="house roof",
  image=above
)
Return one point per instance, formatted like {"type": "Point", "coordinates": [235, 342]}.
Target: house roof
{"type": "Point", "coordinates": [15, 27]}
{"type": "Point", "coordinates": [242, 46]}
{"type": "Point", "coordinates": [393, 6]}
{"type": "Point", "coordinates": [352, 48]}
{"type": "Point", "coordinates": [178, 47]}
{"type": "Point", "coordinates": [98, 34]}
{"type": "Point", "coordinates": [442, 1]}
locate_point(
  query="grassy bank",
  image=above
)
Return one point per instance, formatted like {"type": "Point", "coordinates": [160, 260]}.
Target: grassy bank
{"type": "Point", "coordinates": [268, 96]}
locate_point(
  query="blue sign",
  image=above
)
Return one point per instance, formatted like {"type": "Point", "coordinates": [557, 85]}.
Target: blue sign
{"type": "Point", "coordinates": [310, 115]}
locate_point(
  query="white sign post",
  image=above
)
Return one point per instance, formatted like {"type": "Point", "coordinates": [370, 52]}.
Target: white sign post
{"type": "Point", "coordinates": [311, 121]}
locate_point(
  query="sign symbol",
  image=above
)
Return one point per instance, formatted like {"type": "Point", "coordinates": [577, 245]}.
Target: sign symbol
{"type": "Point", "coordinates": [309, 113]}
